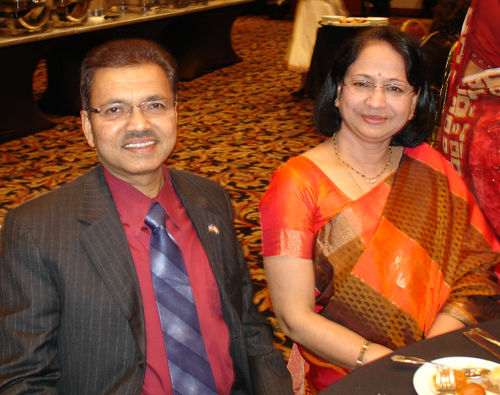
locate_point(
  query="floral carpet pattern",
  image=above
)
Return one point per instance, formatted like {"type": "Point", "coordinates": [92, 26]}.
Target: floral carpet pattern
{"type": "Point", "coordinates": [237, 125]}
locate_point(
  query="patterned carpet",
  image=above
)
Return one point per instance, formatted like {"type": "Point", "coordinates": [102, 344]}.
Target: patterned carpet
{"type": "Point", "coordinates": [236, 126]}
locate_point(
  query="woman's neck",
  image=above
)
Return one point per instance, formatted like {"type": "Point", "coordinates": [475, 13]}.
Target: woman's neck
{"type": "Point", "coordinates": [366, 157]}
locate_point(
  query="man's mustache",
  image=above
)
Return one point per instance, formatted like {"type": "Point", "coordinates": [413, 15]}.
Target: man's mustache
{"type": "Point", "coordinates": [133, 134]}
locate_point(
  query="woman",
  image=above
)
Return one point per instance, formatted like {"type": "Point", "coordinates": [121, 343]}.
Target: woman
{"type": "Point", "coordinates": [470, 133]}
{"type": "Point", "coordinates": [371, 241]}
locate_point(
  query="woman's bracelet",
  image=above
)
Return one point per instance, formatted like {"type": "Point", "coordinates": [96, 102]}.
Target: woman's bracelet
{"type": "Point", "coordinates": [362, 353]}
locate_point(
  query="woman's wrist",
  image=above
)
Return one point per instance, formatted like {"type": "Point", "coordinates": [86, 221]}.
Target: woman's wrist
{"type": "Point", "coordinates": [362, 353]}
{"type": "Point", "coordinates": [374, 352]}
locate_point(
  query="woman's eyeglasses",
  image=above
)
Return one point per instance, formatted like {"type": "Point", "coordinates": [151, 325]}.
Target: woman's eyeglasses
{"type": "Point", "coordinates": [392, 92]}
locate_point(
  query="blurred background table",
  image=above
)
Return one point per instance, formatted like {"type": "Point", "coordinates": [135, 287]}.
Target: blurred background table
{"type": "Point", "coordinates": [198, 37]}
{"type": "Point", "coordinates": [385, 377]}
{"type": "Point", "coordinates": [328, 41]}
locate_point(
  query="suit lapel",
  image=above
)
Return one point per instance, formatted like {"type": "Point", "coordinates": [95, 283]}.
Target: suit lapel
{"type": "Point", "coordinates": [107, 246]}
{"type": "Point", "coordinates": [206, 223]}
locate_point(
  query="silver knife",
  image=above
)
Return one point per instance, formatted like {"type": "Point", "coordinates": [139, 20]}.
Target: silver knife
{"type": "Point", "coordinates": [486, 336]}
{"type": "Point", "coordinates": [480, 342]}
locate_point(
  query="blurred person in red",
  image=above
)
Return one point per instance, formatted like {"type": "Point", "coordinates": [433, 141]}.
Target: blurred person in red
{"type": "Point", "coordinates": [470, 132]}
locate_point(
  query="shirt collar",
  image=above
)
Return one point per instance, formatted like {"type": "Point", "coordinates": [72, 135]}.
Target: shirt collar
{"type": "Point", "coordinates": [133, 205]}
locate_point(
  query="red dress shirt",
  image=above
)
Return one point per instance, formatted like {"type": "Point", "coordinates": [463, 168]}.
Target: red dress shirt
{"type": "Point", "coordinates": [133, 206]}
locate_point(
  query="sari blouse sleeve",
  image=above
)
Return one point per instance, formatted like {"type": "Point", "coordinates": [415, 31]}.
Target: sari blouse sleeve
{"type": "Point", "coordinates": [287, 215]}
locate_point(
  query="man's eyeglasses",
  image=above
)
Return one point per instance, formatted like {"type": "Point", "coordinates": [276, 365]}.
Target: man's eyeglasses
{"type": "Point", "coordinates": [150, 109]}
{"type": "Point", "coordinates": [392, 92]}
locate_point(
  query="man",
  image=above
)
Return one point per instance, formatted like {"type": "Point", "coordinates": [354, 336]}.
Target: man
{"type": "Point", "coordinates": [85, 268]}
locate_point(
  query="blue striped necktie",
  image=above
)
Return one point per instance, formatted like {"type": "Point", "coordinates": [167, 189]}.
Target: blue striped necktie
{"type": "Point", "coordinates": [187, 357]}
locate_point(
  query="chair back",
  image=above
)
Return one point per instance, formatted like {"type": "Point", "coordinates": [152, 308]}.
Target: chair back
{"type": "Point", "coordinates": [443, 96]}
{"type": "Point", "coordinates": [436, 47]}
{"type": "Point", "coordinates": [415, 28]}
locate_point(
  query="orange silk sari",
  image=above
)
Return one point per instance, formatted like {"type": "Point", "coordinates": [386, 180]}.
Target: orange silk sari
{"type": "Point", "coordinates": [389, 262]}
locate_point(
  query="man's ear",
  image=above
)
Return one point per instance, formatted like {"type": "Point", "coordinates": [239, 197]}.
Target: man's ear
{"type": "Point", "coordinates": [87, 128]}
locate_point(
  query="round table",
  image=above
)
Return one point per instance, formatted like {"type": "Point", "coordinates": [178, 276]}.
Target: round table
{"type": "Point", "coordinates": [385, 377]}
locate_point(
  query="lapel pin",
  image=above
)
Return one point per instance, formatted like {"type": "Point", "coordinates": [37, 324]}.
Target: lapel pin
{"type": "Point", "coordinates": [213, 229]}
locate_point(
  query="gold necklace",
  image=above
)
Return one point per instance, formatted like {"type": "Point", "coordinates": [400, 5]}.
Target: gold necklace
{"type": "Point", "coordinates": [348, 166]}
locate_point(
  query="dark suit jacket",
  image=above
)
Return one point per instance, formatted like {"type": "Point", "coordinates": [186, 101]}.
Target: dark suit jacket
{"type": "Point", "coordinates": [71, 315]}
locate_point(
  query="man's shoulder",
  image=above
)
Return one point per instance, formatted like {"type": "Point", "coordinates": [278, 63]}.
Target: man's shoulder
{"type": "Point", "coordinates": [64, 195]}
{"type": "Point", "coordinates": [194, 182]}
{"type": "Point", "coordinates": [200, 192]}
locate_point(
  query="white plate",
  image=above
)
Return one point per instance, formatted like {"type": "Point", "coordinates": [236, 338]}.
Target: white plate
{"type": "Point", "coordinates": [422, 379]}
{"type": "Point", "coordinates": [367, 23]}
{"type": "Point", "coordinates": [331, 18]}
{"type": "Point", "coordinates": [378, 21]}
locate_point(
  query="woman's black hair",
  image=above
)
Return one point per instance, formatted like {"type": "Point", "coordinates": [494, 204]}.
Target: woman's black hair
{"type": "Point", "coordinates": [327, 116]}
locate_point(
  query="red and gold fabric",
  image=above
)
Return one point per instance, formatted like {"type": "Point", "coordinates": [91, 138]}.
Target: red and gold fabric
{"type": "Point", "coordinates": [470, 132]}
{"type": "Point", "coordinates": [387, 263]}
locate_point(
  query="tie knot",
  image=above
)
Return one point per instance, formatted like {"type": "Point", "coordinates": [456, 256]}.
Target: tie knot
{"type": "Point", "coordinates": [156, 217]}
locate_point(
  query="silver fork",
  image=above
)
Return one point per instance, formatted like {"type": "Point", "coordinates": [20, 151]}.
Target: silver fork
{"type": "Point", "coordinates": [445, 381]}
